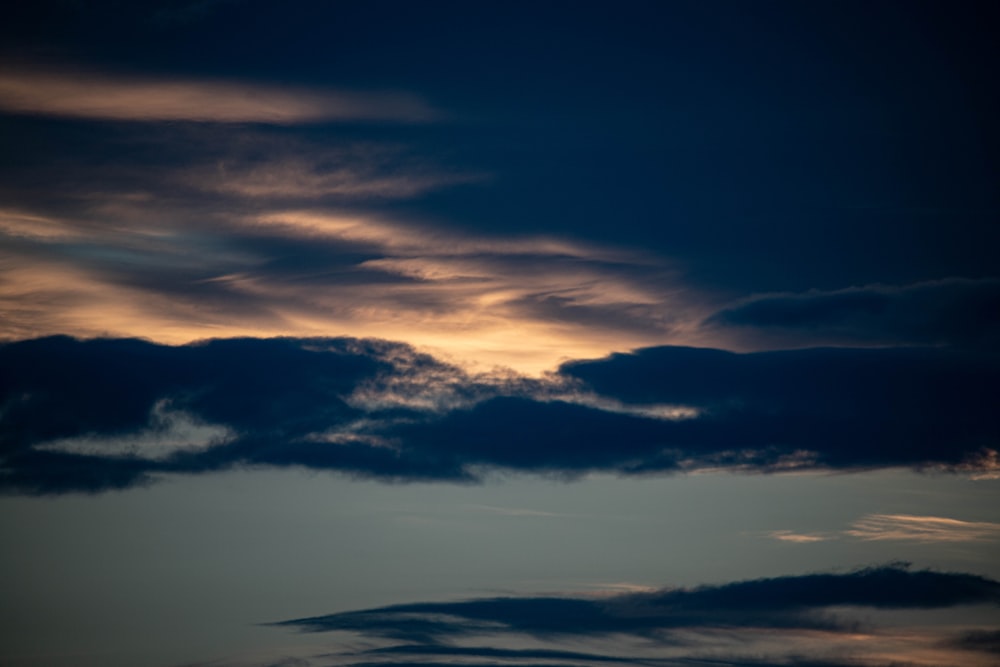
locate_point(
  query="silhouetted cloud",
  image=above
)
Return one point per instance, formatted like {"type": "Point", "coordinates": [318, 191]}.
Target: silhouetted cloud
{"type": "Point", "coordinates": [89, 415]}
{"type": "Point", "coordinates": [420, 652]}
{"type": "Point", "coordinates": [816, 407]}
{"type": "Point", "coordinates": [956, 310]}
{"type": "Point", "coordinates": [84, 415]}
{"type": "Point", "coordinates": [441, 650]}
{"type": "Point", "coordinates": [687, 624]}
{"type": "Point", "coordinates": [790, 602]}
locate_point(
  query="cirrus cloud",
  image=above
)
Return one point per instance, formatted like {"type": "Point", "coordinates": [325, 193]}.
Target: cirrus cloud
{"type": "Point", "coordinates": [103, 96]}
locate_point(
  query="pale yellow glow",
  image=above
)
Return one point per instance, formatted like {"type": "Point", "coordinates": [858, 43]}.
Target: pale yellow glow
{"type": "Point", "coordinates": [472, 300]}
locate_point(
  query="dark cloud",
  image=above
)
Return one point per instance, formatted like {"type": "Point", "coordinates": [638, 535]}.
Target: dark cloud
{"type": "Point", "coordinates": [442, 650]}
{"type": "Point", "coordinates": [706, 661]}
{"type": "Point", "coordinates": [779, 603]}
{"type": "Point", "coordinates": [273, 390]}
{"type": "Point", "coordinates": [419, 653]}
{"type": "Point", "coordinates": [852, 407]}
{"type": "Point", "coordinates": [979, 640]}
{"type": "Point", "coordinates": [956, 311]}
{"type": "Point", "coordinates": [104, 414]}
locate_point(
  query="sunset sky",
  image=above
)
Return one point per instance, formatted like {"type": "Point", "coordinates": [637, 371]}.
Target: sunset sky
{"type": "Point", "coordinates": [499, 334]}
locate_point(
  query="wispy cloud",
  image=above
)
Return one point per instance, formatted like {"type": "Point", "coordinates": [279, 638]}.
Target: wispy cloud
{"type": "Point", "coordinates": [900, 527]}
{"type": "Point", "coordinates": [798, 538]}
{"type": "Point", "coordinates": [469, 296]}
{"type": "Point", "coordinates": [515, 511]}
{"type": "Point", "coordinates": [168, 433]}
{"type": "Point", "coordinates": [102, 96]}
{"type": "Point", "coordinates": [922, 529]}
{"type": "Point", "coordinates": [298, 177]}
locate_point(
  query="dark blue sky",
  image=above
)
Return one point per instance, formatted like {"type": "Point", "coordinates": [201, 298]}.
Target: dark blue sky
{"type": "Point", "coordinates": [765, 146]}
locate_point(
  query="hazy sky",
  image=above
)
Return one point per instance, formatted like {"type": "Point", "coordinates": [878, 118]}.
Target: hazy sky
{"type": "Point", "coordinates": [498, 333]}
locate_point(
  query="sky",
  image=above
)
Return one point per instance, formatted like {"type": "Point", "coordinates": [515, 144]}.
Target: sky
{"type": "Point", "coordinates": [499, 334]}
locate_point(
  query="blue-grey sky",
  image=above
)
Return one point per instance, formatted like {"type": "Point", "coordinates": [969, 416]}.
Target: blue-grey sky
{"type": "Point", "coordinates": [390, 333]}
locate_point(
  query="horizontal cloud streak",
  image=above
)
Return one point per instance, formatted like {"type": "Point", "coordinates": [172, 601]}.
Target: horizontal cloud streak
{"type": "Point", "coordinates": [780, 602]}
{"type": "Point", "coordinates": [168, 433]}
{"type": "Point", "coordinates": [922, 529]}
{"type": "Point", "coordinates": [798, 538]}
{"type": "Point", "coordinates": [956, 310]}
{"type": "Point", "coordinates": [100, 96]}
{"type": "Point", "coordinates": [901, 527]}
{"type": "Point", "coordinates": [986, 641]}
{"type": "Point", "coordinates": [789, 620]}
{"type": "Point", "coordinates": [76, 412]}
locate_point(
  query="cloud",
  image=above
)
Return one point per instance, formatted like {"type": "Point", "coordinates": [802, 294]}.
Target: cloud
{"type": "Point", "coordinates": [181, 231]}
{"type": "Point", "coordinates": [441, 651]}
{"type": "Point", "coordinates": [954, 310]}
{"type": "Point", "coordinates": [342, 177]}
{"type": "Point", "coordinates": [922, 529]}
{"type": "Point", "coordinates": [901, 527]}
{"type": "Point", "coordinates": [117, 271]}
{"type": "Point", "coordinates": [798, 538]}
{"type": "Point", "coordinates": [102, 96]}
{"type": "Point", "coordinates": [75, 413]}
{"type": "Point", "coordinates": [377, 409]}
{"type": "Point", "coordinates": [848, 407]}
{"type": "Point", "coordinates": [987, 641]}
{"type": "Point", "coordinates": [791, 620]}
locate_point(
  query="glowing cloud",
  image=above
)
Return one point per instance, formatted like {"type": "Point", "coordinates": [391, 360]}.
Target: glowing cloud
{"type": "Point", "coordinates": [526, 303]}
{"type": "Point", "coordinates": [106, 97]}
{"type": "Point", "coordinates": [922, 528]}
{"type": "Point", "coordinates": [797, 538]}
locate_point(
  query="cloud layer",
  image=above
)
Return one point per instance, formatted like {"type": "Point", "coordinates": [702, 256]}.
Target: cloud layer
{"type": "Point", "coordinates": [94, 415]}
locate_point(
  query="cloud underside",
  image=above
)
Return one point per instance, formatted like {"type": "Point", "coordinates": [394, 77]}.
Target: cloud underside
{"type": "Point", "coordinates": [814, 619]}
{"type": "Point", "coordinates": [113, 413]}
